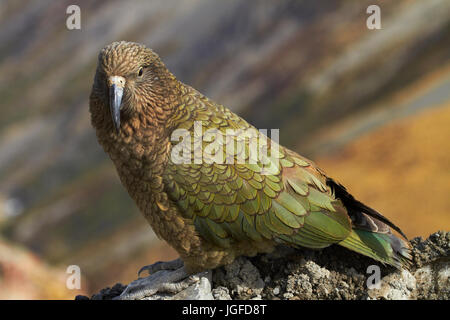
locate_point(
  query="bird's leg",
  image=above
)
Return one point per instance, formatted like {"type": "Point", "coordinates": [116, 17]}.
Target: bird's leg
{"type": "Point", "coordinates": [162, 265]}
{"type": "Point", "coordinates": [172, 281]}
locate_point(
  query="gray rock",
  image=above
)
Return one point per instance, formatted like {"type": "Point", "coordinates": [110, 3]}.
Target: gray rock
{"type": "Point", "coordinates": [331, 273]}
{"type": "Point", "coordinates": [221, 293]}
{"type": "Point", "coordinates": [198, 291]}
{"type": "Point", "coordinates": [396, 286]}
{"type": "Point", "coordinates": [242, 279]}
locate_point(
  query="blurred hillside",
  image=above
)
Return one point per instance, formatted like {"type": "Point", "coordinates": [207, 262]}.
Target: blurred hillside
{"type": "Point", "coordinates": [402, 168]}
{"type": "Point", "coordinates": [311, 68]}
{"type": "Point", "coordinates": [24, 276]}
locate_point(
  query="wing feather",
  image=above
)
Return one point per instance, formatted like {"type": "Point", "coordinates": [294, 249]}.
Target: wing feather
{"type": "Point", "coordinates": [241, 202]}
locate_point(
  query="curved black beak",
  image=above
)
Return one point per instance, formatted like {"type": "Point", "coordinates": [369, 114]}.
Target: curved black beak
{"type": "Point", "coordinates": [116, 85]}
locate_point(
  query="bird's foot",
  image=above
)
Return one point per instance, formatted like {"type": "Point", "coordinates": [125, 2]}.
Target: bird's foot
{"type": "Point", "coordinates": [162, 265]}
{"type": "Point", "coordinates": [161, 281]}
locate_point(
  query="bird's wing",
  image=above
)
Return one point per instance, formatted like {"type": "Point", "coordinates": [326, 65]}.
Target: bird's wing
{"type": "Point", "coordinates": [243, 202]}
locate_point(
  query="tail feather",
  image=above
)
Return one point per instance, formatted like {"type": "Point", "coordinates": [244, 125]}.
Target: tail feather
{"type": "Point", "coordinates": [371, 234]}
{"type": "Point", "coordinates": [385, 248]}
{"type": "Point", "coordinates": [363, 216]}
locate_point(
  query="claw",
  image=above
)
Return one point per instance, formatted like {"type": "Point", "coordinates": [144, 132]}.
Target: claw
{"type": "Point", "coordinates": [150, 268]}
{"type": "Point", "coordinates": [162, 265]}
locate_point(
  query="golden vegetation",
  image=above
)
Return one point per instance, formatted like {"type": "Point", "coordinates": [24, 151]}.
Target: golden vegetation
{"type": "Point", "coordinates": [24, 276]}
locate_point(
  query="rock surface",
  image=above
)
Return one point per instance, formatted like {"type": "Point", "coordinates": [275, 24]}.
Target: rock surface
{"type": "Point", "coordinates": [332, 273]}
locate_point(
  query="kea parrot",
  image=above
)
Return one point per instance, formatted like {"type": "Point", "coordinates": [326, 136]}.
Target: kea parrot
{"type": "Point", "coordinates": [212, 212]}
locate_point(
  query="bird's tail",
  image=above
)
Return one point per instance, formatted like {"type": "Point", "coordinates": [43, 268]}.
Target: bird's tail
{"type": "Point", "coordinates": [384, 247]}
{"type": "Point", "coordinates": [371, 234]}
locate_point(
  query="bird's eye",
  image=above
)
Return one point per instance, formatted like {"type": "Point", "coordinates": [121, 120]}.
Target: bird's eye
{"type": "Point", "coordinates": [141, 71]}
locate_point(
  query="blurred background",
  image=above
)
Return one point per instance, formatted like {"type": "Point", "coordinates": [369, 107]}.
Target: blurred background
{"type": "Point", "coordinates": [371, 107]}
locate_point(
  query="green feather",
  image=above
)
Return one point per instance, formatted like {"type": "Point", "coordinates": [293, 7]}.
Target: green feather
{"type": "Point", "coordinates": [291, 204]}
{"type": "Point", "coordinates": [262, 228]}
{"type": "Point", "coordinates": [320, 199]}
{"type": "Point", "coordinates": [211, 231]}
{"type": "Point", "coordinates": [299, 186]}
{"type": "Point", "coordinates": [275, 224]}
{"type": "Point", "coordinates": [379, 247]}
{"type": "Point", "coordinates": [287, 217]}
{"type": "Point", "coordinates": [251, 207]}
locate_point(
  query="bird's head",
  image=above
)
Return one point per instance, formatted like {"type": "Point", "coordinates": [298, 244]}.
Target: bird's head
{"type": "Point", "coordinates": [131, 79]}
